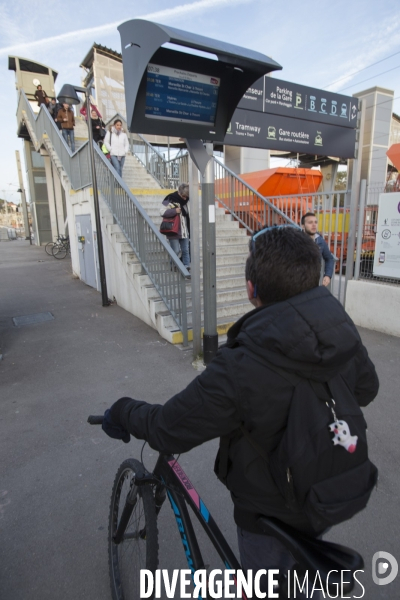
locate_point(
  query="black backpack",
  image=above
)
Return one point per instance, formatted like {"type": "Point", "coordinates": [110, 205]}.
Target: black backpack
{"type": "Point", "coordinates": [321, 465]}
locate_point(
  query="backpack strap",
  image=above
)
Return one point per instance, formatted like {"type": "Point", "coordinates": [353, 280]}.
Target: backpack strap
{"type": "Point", "coordinates": [222, 462]}
{"type": "Point", "coordinates": [320, 389]}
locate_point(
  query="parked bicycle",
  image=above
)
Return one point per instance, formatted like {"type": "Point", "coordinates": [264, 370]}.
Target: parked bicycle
{"type": "Point", "coordinates": [60, 248]}
{"type": "Point", "coordinates": [136, 500]}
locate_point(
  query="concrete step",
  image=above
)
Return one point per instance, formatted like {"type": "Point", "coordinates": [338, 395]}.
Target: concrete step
{"type": "Point", "coordinates": [233, 270]}
{"type": "Point", "coordinates": [225, 314]}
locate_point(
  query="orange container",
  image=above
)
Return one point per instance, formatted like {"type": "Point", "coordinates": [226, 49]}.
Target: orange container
{"type": "Point", "coordinates": [286, 188]}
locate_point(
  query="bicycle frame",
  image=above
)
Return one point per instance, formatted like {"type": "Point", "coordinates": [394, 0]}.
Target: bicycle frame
{"type": "Point", "coordinates": [181, 492]}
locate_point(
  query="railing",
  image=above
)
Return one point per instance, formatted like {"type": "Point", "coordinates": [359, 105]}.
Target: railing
{"type": "Point", "coordinates": [75, 165]}
{"type": "Point", "coordinates": [252, 210]}
{"type": "Point", "coordinates": [168, 173]}
{"type": "Point", "coordinates": [165, 270]}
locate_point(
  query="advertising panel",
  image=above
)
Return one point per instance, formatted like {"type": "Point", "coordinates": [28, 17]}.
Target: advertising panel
{"type": "Point", "coordinates": [387, 242]}
{"type": "Point", "coordinates": [263, 130]}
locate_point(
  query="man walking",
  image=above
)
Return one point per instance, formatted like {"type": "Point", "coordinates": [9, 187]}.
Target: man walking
{"type": "Point", "coordinates": [310, 226]}
{"type": "Point", "coordinates": [66, 118]}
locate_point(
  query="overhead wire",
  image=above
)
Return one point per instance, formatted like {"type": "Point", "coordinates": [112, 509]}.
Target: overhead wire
{"type": "Point", "coordinates": [360, 70]}
{"type": "Point", "coordinates": [369, 78]}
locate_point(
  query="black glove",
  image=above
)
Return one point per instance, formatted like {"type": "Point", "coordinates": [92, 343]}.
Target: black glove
{"type": "Point", "coordinates": [113, 430]}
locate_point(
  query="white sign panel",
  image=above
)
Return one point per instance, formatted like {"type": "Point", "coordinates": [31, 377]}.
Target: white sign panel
{"type": "Point", "coordinates": [387, 243]}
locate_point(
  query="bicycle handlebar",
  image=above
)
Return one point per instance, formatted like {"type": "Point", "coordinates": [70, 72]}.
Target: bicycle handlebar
{"type": "Point", "coordinates": [95, 419]}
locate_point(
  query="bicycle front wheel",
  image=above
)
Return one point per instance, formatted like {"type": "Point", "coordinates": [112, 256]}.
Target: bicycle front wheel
{"type": "Point", "coordinates": [139, 546]}
{"type": "Point", "coordinates": [49, 247]}
{"type": "Point", "coordinates": [59, 251]}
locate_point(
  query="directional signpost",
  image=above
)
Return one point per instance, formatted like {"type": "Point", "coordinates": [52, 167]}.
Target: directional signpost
{"type": "Point", "coordinates": [279, 115]}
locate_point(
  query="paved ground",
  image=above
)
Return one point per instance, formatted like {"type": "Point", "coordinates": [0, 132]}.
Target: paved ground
{"type": "Point", "coordinates": [56, 471]}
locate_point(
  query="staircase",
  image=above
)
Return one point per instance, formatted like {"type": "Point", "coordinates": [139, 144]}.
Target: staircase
{"type": "Point", "coordinates": [138, 258]}
{"type": "Point", "coordinates": [232, 250]}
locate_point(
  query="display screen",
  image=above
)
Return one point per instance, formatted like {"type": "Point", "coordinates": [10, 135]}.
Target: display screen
{"type": "Point", "coordinates": [178, 95]}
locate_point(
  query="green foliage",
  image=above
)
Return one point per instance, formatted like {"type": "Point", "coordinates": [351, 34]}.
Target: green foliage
{"type": "Point", "coordinates": [341, 180]}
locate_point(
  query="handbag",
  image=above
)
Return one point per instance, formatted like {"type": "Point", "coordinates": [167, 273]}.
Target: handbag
{"type": "Point", "coordinates": [106, 152]}
{"type": "Point", "coordinates": [105, 149]}
{"type": "Point", "coordinates": [170, 226]}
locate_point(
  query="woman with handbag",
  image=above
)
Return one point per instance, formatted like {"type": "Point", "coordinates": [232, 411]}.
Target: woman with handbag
{"type": "Point", "coordinates": [98, 128]}
{"type": "Point", "coordinates": [176, 205]}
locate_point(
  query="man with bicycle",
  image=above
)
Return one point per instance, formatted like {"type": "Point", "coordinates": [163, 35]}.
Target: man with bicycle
{"type": "Point", "coordinates": [296, 328]}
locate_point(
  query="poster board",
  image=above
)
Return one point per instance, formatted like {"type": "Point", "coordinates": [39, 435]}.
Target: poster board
{"type": "Point", "coordinates": [387, 242]}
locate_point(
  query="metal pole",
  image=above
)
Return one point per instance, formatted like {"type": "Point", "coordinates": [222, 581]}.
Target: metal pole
{"type": "Point", "coordinates": [210, 336]}
{"type": "Point", "coordinates": [103, 282]}
{"type": "Point", "coordinates": [355, 194]}
{"type": "Point", "coordinates": [360, 228]}
{"type": "Point", "coordinates": [195, 256]}
{"type": "Point", "coordinates": [23, 199]}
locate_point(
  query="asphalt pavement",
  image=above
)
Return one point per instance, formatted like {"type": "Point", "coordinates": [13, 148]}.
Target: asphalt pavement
{"type": "Point", "coordinates": [56, 471]}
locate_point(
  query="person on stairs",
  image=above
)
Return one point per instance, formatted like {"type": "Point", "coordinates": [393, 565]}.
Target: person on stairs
{"type": "Point", "coordinates": [177, 204]}
{"type": "Point", "coordinates": [116, 142]}
{"type": "Point", "coordinates": [67, 119]}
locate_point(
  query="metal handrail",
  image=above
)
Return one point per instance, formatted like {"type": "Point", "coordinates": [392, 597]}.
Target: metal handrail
{"type": "Point", "coordinates": [246, 205]}
{"type": "Point", "coordinates": [168, 173]}
{"type": "Point", "coordinates": [160, 263]}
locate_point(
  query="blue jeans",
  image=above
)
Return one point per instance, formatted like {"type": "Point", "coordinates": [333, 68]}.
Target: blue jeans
{"type": "Point", "coordinates": [118, 164]}
{"type": "Point", "coordinates": [69, 133]}
{"type": "Point", "coordinates": [182, 244]}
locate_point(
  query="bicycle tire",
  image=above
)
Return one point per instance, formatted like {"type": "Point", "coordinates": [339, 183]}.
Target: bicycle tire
{"type": "Point", "coordinates": [48, 248]}
{"type": "Point", "coordinates": [59, 251]}
{"type": "Point", "coordinates": [140, 549]}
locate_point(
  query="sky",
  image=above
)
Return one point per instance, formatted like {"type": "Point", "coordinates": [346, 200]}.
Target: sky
{"type": "Point", "coordinates": [322, 44]}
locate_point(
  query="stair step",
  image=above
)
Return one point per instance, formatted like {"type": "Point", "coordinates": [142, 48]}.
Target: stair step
{"type": "Point", "coordinates": [228, 313]}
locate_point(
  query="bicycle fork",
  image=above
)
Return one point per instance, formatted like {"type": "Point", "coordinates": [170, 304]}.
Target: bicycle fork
{"type": "Point", "coordinates": [130, 503]}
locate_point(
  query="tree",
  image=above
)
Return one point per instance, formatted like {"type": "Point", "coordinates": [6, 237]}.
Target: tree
{"type": "Point", "coordinates": [341, 181]}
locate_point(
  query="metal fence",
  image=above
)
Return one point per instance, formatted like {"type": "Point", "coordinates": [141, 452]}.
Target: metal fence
{"type": "Point", "coordinates": [165, 270]}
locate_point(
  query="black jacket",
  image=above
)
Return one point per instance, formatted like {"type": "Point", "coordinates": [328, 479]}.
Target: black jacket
{"type": "Point", "coordinates": [175, 198]}
{"type": "Point", "coordinates": [97, 134]}
{"type": "Point", "coordinates": [310, 335]}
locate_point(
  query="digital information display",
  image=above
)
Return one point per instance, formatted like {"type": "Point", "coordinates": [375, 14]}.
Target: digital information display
{"type": "Point", "coordinates": [178, 95]}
